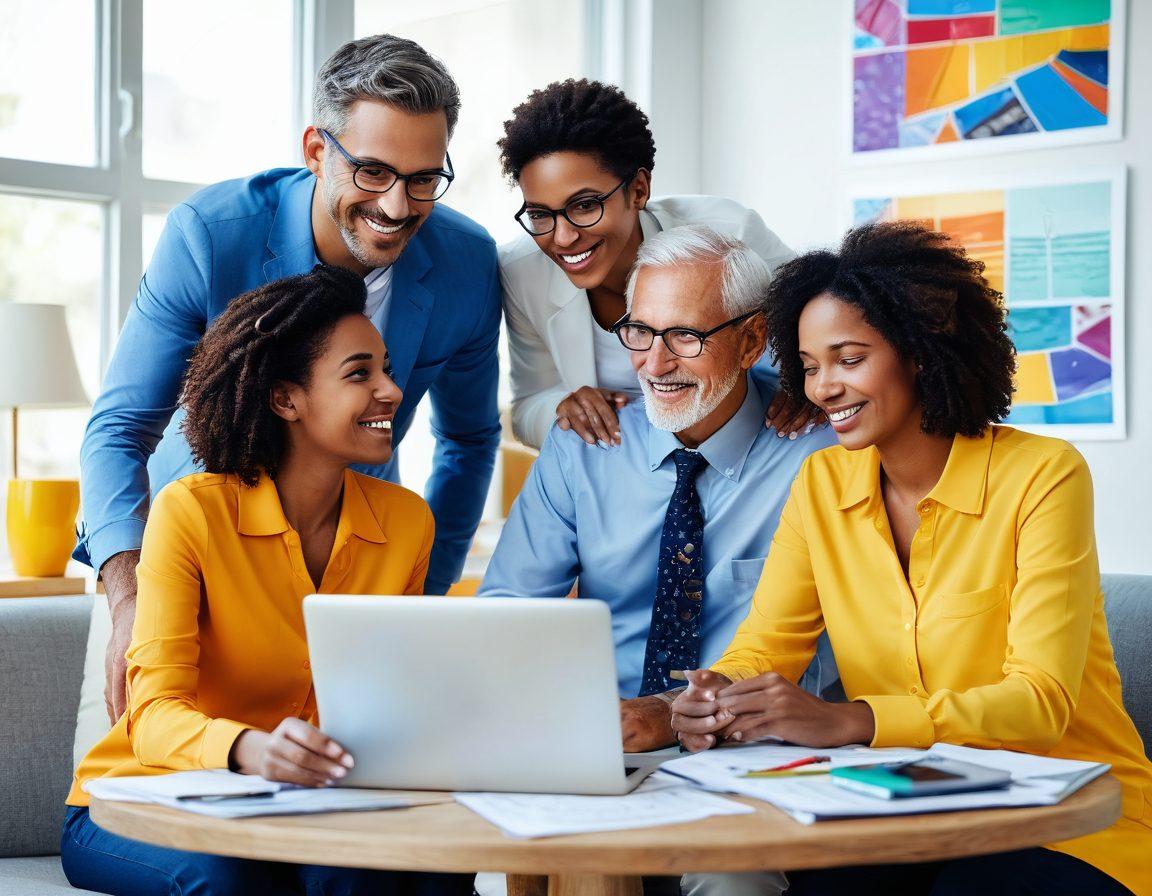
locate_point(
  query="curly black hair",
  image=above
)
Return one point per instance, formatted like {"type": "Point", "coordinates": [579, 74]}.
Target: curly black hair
{"type": "Point", "coordinates": [928, 299]}
{"type": "Point", "coordinates": [578, 116]}
{"type": "Point", "coordinates": [269, 335]}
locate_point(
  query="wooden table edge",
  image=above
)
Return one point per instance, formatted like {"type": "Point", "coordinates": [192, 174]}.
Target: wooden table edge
{"type": "Point", "coordinates": [448, 837]}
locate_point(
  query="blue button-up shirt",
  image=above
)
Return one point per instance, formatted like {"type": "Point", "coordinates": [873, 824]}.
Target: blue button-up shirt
{"type": "Point", "coordinates": [594, 515]}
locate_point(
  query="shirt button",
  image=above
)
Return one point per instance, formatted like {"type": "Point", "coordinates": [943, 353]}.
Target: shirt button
{"type": "Point", "coordinates": [913, 690]}
{"type": "Point", "coordinates": [920, 582]}
{"type": "Point", "coordinates": [295, 705]}
{"type": "Point", "coordinates": [910, 661]}
{"type": "Point", "coordinates": [925, 507]}
{"type": "Point", "coordinates": [879, 524]}
{"type": "Point", "coordinates": [730, 471]}
{"type": "Point", "coordinates": [307, 665]}
{"type": "Point", "coordinates": [907, 626]}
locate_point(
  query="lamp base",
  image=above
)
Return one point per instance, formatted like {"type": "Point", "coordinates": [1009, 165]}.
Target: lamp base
{"type": "Point", "coordinates": [42, 524]}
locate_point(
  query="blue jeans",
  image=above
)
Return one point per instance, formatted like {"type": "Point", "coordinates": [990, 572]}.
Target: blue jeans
{"type": "Point", "coordinates": [93, 859]}
{"type": "Point", "coordinates": [1025, 872]}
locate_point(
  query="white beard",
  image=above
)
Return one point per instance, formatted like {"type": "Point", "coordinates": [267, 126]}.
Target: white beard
{"type": "Point", "coordinates": [704, 400]}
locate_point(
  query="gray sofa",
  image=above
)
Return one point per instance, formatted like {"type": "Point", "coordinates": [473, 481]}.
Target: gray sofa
{"type": "Point", "coordinates": [42, 647]}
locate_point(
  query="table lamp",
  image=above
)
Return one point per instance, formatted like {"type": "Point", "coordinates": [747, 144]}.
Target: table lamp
{"type": "Point", "coordinates": [38, 370]}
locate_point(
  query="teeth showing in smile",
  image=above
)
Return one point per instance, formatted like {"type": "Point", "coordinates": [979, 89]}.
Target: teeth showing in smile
{"type": "Point", "coordinates": [380, 228]}
{"type": "Point", "coordinates": [576, 259]}
{"type": "Point", "coordinates": [668, 387]}
{"type": "Point", "coordinates": [839, 416]}
{"type": "Point", "coordinates": [378, 424]}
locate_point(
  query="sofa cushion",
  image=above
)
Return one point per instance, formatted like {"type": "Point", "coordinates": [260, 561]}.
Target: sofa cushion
{"type": "Point", "coordinates": [42, 643]}
{"type": "Point", "coordinates": [38, 876]}
{"type": "Point", "coordinates": [1128, 607]}
{"type": "Point", "coordinates": [92, 718]}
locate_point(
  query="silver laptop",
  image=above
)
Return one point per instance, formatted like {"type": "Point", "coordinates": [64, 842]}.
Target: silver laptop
{"type": "Point", "coordinates": [488, 694]}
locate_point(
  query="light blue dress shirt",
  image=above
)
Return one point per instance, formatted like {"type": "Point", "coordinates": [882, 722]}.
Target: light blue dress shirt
{"type": "Point", "coordinates": [595, 515]}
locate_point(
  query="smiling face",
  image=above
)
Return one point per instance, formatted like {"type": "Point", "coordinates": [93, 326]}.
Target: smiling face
{"type": "Point", "coordinates": [604, 251]}
{"type": "Point", "coordinates": [344, 414]}
{"type": "Point", "coordinates": [855, 376]}
{"type": "Point", "coordinates": [692, 397]}
{"type": "Point", "coordinates": [362, 230]}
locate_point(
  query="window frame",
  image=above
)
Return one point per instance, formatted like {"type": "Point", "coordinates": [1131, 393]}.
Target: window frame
{"type": "Point", "coordinates": [116, 180]}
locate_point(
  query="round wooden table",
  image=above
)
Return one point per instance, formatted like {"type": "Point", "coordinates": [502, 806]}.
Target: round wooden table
{"type": "Point", "coordinates": [447, 837]}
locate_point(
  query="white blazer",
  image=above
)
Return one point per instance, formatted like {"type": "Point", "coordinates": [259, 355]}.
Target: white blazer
{"type": "Point", "coordinates": [550, 337]}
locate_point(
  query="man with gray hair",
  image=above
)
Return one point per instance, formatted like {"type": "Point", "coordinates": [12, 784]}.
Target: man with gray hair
{"type": "Point", "coordinates": [670, 527]}
{"type": "Point", "coordinates": [376, 162]}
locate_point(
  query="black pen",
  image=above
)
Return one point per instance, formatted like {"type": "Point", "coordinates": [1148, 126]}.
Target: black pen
{"type": "Point", "coordinates": [217, 797]}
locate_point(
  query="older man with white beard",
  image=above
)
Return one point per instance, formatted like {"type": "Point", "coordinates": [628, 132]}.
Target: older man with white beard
{"type": "Point", "coordinates": [671, 527]}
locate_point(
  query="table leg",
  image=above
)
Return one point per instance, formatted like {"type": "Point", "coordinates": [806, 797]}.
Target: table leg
{"type": "Point", "coordinates": [573, 885]}
{"type": "Point", "coordinates": [527, 885]}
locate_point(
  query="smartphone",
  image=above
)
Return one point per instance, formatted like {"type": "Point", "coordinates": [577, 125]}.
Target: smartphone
{"type": "Point", "coordinates": [929, 776]}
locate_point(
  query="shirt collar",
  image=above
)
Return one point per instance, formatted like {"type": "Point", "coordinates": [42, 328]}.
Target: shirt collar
{"type": "Point", "coordinates": [260, 511]}
{"type": "Point", "coordinates": [649, 224]}
{"type": "Point", "coordinates": [961, 486]}
{"type": "Point", "coordinates": [727, 449]}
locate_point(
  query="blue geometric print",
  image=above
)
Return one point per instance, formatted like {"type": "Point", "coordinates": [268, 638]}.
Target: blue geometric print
{"type": "Point", "coordinates": [674, 635]}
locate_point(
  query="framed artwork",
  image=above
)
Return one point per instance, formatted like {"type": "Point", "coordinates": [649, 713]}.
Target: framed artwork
{"type": "Point", "coordinates": [1054, 246]}
{"type": "Point", "coordinates": [946, 78]}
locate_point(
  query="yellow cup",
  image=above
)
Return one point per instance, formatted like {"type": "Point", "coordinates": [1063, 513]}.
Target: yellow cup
{"type": "Point", "coordinates": [42, 524]}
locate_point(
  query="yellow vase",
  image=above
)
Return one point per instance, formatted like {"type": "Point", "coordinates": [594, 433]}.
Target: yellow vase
{"type": "Point", "coordinates": [42, 524]}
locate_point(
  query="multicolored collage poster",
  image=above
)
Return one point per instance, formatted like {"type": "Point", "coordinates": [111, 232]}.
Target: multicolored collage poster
{"type": "Point", "coordinates": [1056, 251]}
{"type": "Point", "coordinates": [993, 74]}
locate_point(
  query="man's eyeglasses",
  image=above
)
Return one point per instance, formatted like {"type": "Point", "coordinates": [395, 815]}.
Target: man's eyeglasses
{"type": "Point", "coordinates": [376, 177]}
{"type": "Point", "coordinates": [683, 342]}
{"type": "Point", "coordinates": [583, 211]}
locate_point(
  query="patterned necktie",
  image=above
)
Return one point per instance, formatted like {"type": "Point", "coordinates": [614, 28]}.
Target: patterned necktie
{"type": "Point", "coordinates": [674, 635]}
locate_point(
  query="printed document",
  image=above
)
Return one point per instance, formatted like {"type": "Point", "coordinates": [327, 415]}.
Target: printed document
{"type": "Point", "coordinates": [224, 794]}
{"type": "Point", "coordinates": [653, 803]}
{"type": "Point", "coordinates": [1036, 780]}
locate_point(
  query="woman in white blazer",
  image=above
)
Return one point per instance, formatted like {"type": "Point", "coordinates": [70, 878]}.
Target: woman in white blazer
{"type": "Point", "coordinates": [582, 155]}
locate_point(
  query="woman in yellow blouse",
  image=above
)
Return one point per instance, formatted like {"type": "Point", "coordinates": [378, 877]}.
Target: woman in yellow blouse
{"type": "Point", "coordinates": [288, 387]}
{"type": "Point", "coordinates": [952, 562]}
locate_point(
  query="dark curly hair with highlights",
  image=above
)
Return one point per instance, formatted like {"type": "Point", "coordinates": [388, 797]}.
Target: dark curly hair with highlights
{"type": "Point", "coordinates": [928, 299]}
{"type": "Point", "coordinates": [269, 335]}
{"type": "Point", "coordinates": [578, 116]}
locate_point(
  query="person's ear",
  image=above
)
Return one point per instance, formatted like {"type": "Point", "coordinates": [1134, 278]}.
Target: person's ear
{"type": "Point", "coordinates": [754, 339]}
{"type": "Point", "coordinates": [284, 400]}
{"type": "Point", "coordinates": [314, 149]}
{"type": "Point", "coordinates": [640, 190]}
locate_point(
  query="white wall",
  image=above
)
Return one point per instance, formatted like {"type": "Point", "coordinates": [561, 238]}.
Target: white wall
{"type": "Point", "coordinates": [772, 111]}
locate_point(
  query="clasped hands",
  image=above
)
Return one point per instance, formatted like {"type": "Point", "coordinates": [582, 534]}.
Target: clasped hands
{"type": "Point", "coordinates": [714, 709]}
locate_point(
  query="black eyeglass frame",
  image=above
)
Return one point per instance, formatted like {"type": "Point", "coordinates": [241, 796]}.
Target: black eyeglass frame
{"type": "Point", "coordinates": [663, 334]}
{"type": "Point", "coordinates": [563, 212]}
{"type": "Point", "coordinates": [448, 174]}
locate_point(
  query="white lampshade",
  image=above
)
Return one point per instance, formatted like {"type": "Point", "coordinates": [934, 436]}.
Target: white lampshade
{"type": "Point", "coordinates": [37, 367]}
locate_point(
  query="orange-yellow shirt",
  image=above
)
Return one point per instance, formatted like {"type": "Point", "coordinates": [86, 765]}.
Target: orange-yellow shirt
{"type": "Point", "coordinates": [218, 645]}
{"type": "Point", "coordinates": [995, 639]}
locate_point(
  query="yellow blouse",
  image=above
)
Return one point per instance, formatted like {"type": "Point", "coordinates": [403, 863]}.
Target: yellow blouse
{"type": "Point", "coordinates": [995, 639]}
{"type": "Point", "coordinates": [218, 645]}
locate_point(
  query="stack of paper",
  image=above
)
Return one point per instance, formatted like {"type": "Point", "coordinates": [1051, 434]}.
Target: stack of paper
{"type": "Point", "coordinates": [224, 794]}
{"type": "Point", "coordinates": [1036, 780]}
{"type": "Point", "coordinates": [524, 815]}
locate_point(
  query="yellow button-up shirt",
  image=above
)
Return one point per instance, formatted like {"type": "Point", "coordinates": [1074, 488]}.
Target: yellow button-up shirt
{"type": "Point", "coordinates": [218, 644]}
{"type": "Point", "coordinates": [996, 638]}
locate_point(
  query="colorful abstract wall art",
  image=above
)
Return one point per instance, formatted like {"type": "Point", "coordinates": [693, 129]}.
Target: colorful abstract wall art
{"type": "Point", "coordinates": [1056, 251]}
{"type": "Point", "coordinates": [948, 77]}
